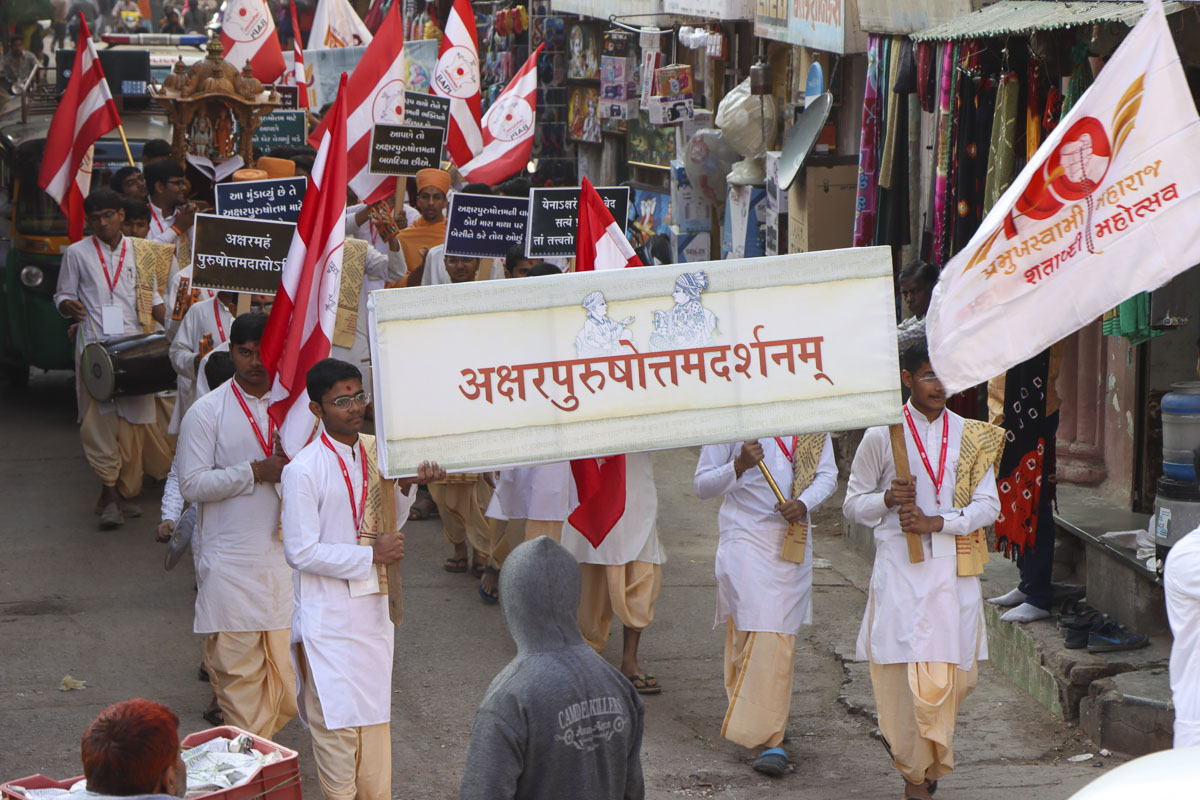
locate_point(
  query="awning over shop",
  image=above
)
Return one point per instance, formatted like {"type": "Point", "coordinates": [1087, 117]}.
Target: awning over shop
{"type": "Point", "coordinates": [590, 8]}
{"type": "Point", "coordinates": [1017, 17]}
{"type": "Point", "coordinates": [713, 10]}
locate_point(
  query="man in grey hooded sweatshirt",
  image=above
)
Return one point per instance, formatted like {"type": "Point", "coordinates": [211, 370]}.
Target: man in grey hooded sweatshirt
{"type": "Point", "coordinates": [558, 721]}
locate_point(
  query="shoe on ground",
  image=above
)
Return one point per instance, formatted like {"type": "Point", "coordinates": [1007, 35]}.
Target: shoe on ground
{"type": "Point", "coordinates": [1024, 613]}
{"type": "Point", "coordinates": [1065, 592]}
{"type": "Point", "coordinates": [111, 517]}
{"type": "Point", "coordinates": [130, 510]}
{"type": "Point", "coordinates": [1111, 637]}
{"type": "Point", "coordinates": [1075, 635]}
{"type": "Point", "coordinates": [773, 761]}
{"type": "Point", "coordinates": [1074, 611]}
{"type": "Point", "coordinates": [1013, 598]}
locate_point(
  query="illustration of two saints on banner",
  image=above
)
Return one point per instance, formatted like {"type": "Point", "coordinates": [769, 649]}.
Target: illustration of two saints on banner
{"type": "Point", "coordinates": [686, 325]}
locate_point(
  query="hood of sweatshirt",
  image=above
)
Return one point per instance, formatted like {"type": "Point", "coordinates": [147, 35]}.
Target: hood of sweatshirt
{"type": "Point", "coordinates": [539, 594]}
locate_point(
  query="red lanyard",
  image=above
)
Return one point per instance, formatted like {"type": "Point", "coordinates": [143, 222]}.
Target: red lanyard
{"type": "Point", "coordinates": [791, 454]}
{"type": "Point", "coordinates": [157, 220]}
{"type": "Point", "coordinates": [111, 280]}
{"type": "Point", "coordinates": [221, 328]}
{"type": "Point", "coordinates": [266, 443]}
{"type": "Point", "coordinates": [937, 482]}
{"type": "Point", "coordinates": [356, 510]}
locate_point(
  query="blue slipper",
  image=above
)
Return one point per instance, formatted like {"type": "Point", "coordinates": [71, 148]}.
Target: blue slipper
{"type": "Point", "coordinates": [490, 598]}
{"type": "Point", "coordinates": [773, 761]}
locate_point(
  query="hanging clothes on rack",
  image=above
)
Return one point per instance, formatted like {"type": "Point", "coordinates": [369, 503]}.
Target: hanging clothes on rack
{"type": "Point", "coordinates": [864, 202]}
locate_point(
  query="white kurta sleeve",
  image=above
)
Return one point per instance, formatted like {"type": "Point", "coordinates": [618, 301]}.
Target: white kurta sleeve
{"type": "Point", "coordinates": [404, 502]}
{"type": "Point", "coordinates": [824, 483]}
{"type": "Point", "coordinates": [172, 500]}
{"type": "Point", "coordinates": [868, 473]}
{"type": "Point", "coordinates": [68, 278]}
{"type": "Point", "coordinates": [982, 510]}
{"type": "Point", "coordinates": [715, 475]}
{"type": "Point", "coordinates": [302, 545]}
{"type": "Point", "coordinates": [183, 357]}
{"type": "Point", "coordinates": [199, 480]}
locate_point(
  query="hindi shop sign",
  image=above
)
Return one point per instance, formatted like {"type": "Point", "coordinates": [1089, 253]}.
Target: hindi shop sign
{"type": "Point", "coordinates": [484, 225]}
{"type": "Point", "coordinates": [616, 361]}
{"type": "Point", "coordinates": [405, 149]}
{"type": "Point", "coordinates": [554, 218]}
{"type": "Point", "coordinates": [279, 199]}
{"type": "Point", "coordinates": [239, 255]}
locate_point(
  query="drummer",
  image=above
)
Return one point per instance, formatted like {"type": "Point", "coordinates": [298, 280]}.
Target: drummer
{"type": "Point", "coordinates": [109, 287]}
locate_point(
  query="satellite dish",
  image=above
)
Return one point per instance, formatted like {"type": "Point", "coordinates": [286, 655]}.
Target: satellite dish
{"type": "Point", "coordinates": [802, 138]}
{"type": "Point", "coordinates": [814, 85]}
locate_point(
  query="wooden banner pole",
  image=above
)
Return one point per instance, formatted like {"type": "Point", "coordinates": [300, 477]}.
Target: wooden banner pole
{"type": "Point", "coordinates": [916, 554]}
{"type": "Point", "coordinates": [395, 597]}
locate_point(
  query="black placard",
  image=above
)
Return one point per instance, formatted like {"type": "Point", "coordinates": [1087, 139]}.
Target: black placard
{"type": "Point", "coordinates": [554, 218]}
{"type": "Point", "coordinates": [427, 110]}
{"type": "Point", "coordinates": [405, 149]}
{"type": "Point", "coordinates": [484, 225]}
{"type": "Point", "coordinates": [278, 199]}
{"type": "Point", "coordinates": [289, 97]}
{"type": "Point", "coordinates": [239, 255]}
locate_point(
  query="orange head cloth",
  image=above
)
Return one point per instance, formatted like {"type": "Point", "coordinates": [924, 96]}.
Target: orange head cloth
{"type": "Point", "coordinates": [438, 178]}
{"type": "Point", "coordinates": [128, 747]}
{"type": "Point", "coordinates": [276, 167]}
{"type": "Point", "coordinates": [242, 175]}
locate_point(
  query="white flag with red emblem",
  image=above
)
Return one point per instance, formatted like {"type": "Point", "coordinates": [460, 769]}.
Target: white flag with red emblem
{"type": "Point", "coordinates": [375, 94]}
{"type": "Point", "coordinates": [457, 76]}
{"type": "Point", "coordinates": [599, 482]}
{"type": "Point", "coordinates": [85, 113]}
{"type": "Point", "coordinates": [336, 25]}
{"type": "Point", "coordinates": [248, 34]}
{"type": "Point", "coordinates": [300, 330]}
{"type": "Point", "coordinates": [298, 73]}
{"type": "Point", "coordinates": [507, 129]}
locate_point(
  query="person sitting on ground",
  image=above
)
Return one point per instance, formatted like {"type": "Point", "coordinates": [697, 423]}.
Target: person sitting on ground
{"type": "Point", "coordinates": [137, 219]}
{"type": "Point", "coordinates": [131, 749]}
{"type": "Point", "coordinates": [558, 721]}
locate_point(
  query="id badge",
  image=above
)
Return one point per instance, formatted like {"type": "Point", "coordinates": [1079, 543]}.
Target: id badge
{"type": "Point", "coordinates": [112, 320]}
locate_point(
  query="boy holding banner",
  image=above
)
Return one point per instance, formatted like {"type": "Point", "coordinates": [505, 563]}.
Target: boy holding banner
{"type": "Point", "coordinates": [764, 581]}
{"type": "Point", "coordinates": [922, 631]}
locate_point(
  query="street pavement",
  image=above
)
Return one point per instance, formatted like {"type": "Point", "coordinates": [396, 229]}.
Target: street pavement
{"type": "Point", "coordinates": [98, 606]}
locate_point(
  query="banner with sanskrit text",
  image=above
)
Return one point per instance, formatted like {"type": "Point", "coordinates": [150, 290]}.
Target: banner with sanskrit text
{"type": "Point", "coordinates": [1107, 208]}
{"type": "Point", "coordinates": [490, 374]}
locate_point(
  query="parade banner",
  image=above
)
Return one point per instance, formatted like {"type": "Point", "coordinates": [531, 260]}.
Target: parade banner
{"type": "Point", "coordinates": [405, 149]}
{"type": "Point", "coordinates": [484, 225]}
{"type": "Point", "coordinates": [554, 216]}
{"type": "Point", "coordinates": [239, 255]}
{"type": "Point", "coordinates": [619, 361]}
{"type": "Point", "coordinates": [426, 110]}
{"type": "Point", "coordinates": [278, 199]}
{"type": "Point", "coordinates": [1105, 209]}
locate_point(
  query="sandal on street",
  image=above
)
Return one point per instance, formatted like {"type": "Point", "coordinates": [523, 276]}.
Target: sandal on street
{"type": "Point", "coordinates": [773, 761]}
{"type": "Point", "coordinates": [453, 564]}
{"type": "Point", "coordinates": [644, 679]}
{"type": "Point", "coordinates": [493, 596]}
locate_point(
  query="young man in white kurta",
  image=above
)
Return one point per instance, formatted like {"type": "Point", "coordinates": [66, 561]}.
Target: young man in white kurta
{"type": "Point", "coordinates": [228, 467]}
{"type": "Point", "coordinates": [179, 298]}
{"type": "Point", "coordinates": [624, 574]}
{"type": "Point", "coordinates": [762, 598]}
{"type": "Point", "coordinates": [923, 627]}
{"type": "Point", "coordinates": [98, 283]}
{"type": "Point", "coordinates": [204, 326]}
{"type": "Point", "coordinates": [1181, 585]}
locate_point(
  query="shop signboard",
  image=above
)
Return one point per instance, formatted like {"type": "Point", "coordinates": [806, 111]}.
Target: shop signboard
{"type": "Point", "coordinates": [828, 25]}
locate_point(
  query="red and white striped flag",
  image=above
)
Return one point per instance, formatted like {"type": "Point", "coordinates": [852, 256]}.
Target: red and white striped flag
{"type": "Point", "coordinates": [85, 113]}
{"type": "Point", "coordinates": [507, 129]}
{"type": "Point", "coordinates": [299, 75]}
{"type": "Point", "coordinates": [599, 482]}
{"type": "Point", "coordinates": [457, 76]}
{"type": "Point", "coordinates": [300, 330]}
{"type": "Point", "coordinates": [375, 94]}
{"type": "Point", "coordinates": [248, 34]}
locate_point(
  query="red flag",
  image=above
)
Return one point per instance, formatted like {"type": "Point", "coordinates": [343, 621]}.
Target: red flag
{"type": "Point", "coordinates": [457, 76]}
{"type": "Point", "coordinates": [300, 330]}
{"type": "Point", "coordinates": [248, 34]}
{"type": "Point", "coordinates": [298, 62]}
{"type": "Point", "coordinates": [375, 94]}
{"type": "Point", "coordinates": [599, 482]}
{"type": "Point", "coordinates": [85, 113]}
{"type": "Point", "coordinates": [507, 129]}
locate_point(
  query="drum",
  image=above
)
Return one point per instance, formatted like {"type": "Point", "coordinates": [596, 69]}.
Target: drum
{"type": "Point", "coordinates": [130, 366]}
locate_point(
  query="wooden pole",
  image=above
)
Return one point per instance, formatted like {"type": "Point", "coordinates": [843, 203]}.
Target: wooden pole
{"type": "Point", "coordinates": [916, 554]}
{"type": "Point", "coordinates": [243, 303]}
{"type": "Point", "coordinates": [395, 597]}
{"type": "Point", "coordinates": [124, 141]}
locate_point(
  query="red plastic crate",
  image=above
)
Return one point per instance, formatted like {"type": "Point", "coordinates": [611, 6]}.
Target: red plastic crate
{"type": "Point", "coordinates": [278, 781]}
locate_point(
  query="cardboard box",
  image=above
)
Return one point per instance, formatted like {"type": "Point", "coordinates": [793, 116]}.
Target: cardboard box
{"type": "Point", "coordinates": [821, 208]}
{"type": "Point", "coordinates": [689, 211]}
{"type": "Point", "coordinates": [701, 118]}
{"type": "Point", "coordinates": [745, 222]}
{"type": "Point", "coordinates": [670, 110]}
{"type": "Point", "coordinates": [673, 80]}
{"type": "Point", "coordinates": [775, 236]}
{"type": "Point", "coordinates": [776, 196]}
{"type": "Point", "coordinates": [688, 247]}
